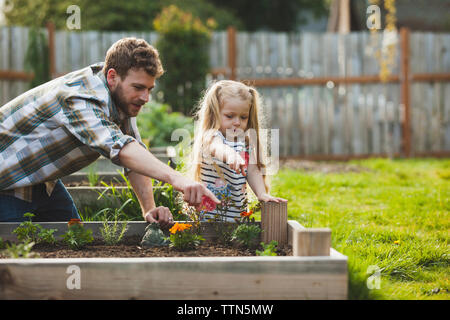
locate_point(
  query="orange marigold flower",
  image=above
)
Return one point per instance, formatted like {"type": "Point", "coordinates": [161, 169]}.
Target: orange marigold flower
{"type": "Point", "coordinates": [74, 221]}
{"type": "Point", "coordinates": [246, 213]}
{"type": "Point", "coordinates": [179, 227]}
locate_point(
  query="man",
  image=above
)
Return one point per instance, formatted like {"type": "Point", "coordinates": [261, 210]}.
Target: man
{"type": "Point", "coordinates": [64, 125]}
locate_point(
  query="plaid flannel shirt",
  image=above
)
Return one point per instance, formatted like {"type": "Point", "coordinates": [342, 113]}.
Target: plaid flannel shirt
{"type": "Point", "coordinates": [58, 128]}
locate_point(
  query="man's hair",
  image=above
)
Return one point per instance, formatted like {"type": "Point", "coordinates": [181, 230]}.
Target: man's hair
{"type": "Point", "coordinates": [132, 53]}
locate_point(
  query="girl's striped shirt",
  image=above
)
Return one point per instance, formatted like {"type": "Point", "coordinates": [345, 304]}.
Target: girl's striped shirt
{"type": "Point", "coordinates": [235, 184]}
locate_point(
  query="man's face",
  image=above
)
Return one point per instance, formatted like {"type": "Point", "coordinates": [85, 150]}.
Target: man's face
{"type": "Point", "coordinates": [130, 93]}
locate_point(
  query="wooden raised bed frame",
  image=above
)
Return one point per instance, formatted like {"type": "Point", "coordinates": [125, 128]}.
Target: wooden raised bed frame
{"type": "Point", "coordinates": [316, 271]}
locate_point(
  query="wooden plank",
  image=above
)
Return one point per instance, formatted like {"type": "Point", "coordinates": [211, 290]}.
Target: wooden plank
{"type": "Point", "coordinates": [232, 52]}
{"type": "Point", "coordinates": [309, 241]}
{"type": "Point", "coordinates": [312, 242]}
{"type": "Point", "coordinates": [405, 82]}
{"type": "Point", "coordinates": [233, 278]}
{"type": "Point", "coordinates": [274, 222]}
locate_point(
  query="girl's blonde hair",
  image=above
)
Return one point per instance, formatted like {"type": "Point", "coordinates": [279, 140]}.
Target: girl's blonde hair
{"type": "Point", "coordinates": [208, 121]}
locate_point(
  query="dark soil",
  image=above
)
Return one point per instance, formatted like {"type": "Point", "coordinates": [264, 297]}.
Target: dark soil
{"type": "Point", "coordinates": [130, 248]}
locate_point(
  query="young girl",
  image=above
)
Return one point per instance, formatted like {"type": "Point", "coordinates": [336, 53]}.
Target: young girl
{"type": "Point", "coordinates": [227, 150]}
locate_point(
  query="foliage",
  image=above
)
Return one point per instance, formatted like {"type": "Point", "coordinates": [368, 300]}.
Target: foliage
{"type": "Point", "coordinates": [113, 232]}
{"type": "Point", "coordinates": [27, 231]}
{"type": "Point", "coordinates": [223, 228]}
{"type": "Point", "coordinates": [21, 250]}
{"type": "Point", "coordinates": [77, 236]}
{"type": "Point", "coordinates": [37, 58]}
{"type": "Point", "coordinates": [158, 123]}
{"type": "Point", "coordinates": [93, 177]}
{"type": "Point", "coordinates": [393, 214]}
{"type": "Point", "coordinates": [269, 249]}
{"type": "Point", "coordinates": [2, 243]}
{"type": "Point", "coordinates": [281, 15]}
{"type": "Point", "coordinates": [183, 237]}
{"type": "Point", "coordinates": [165, 195]}
{"type": "Point", "coordinates": [112, 197]}
{"type": "Point", "coordinates": [183, 44]}
{"type": "Point", "coordinates": [246, 235]}
{"type": "Point", "coordinates": [103, 14]}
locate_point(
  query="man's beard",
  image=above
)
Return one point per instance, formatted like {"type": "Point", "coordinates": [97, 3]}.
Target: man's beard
{"type": "Point", "coordinates": [119, 99]}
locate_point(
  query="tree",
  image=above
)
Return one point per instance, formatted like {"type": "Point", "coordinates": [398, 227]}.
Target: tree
{"type": "Point", "coordinates": [111, 15]}
{"type": "Point", "coordinates": [279, 15]}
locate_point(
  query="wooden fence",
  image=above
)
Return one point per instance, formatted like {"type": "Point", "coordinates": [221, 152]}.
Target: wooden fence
{"type": "Point", "coordinates": [321, 90]}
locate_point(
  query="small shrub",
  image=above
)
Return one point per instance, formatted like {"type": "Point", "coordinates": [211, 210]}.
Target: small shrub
{"type": "Point", "coordinates": [77, 236]}
{"type": "Point", "coordinates": [157, 123]}
{"type": "Point", "coordinates": [27, 231]}
{"type": "Point", "coordinates": [246, 235]}
{"type": "Point", "coordinates": [183, 44]}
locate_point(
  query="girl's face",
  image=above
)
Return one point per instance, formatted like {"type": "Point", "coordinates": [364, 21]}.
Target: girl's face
{"type": "Point", "coordinates": [234, 116]}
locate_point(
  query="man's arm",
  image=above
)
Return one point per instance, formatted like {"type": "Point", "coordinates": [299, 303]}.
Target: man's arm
{"type": "Point", "coordinates": [138, 159]}
{"type": "Point", "coordinates": [143, 189]}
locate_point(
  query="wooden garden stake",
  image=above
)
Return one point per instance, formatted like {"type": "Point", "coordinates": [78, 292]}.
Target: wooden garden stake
{"type": "Point", "coordinates": [274, 222]}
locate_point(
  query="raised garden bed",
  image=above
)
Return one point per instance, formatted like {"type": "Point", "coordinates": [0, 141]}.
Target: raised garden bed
{"type": "Point", "coordinates": [212, 277]}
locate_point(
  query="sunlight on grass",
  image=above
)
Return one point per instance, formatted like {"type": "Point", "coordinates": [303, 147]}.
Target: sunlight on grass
{"type": "Point", "coordinates": [395, 215]}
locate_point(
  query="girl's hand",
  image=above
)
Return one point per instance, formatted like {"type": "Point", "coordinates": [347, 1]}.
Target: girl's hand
{"type": "Point", "coordinates": [268, 198]}
{"type": "Point", "coordinates": [236, 162]}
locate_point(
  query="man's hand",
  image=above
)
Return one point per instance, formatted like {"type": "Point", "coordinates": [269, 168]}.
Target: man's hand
{"type": "Point", "coordinates": [161, 215]}
{"type": "Point", "coordinates": [193, 191]}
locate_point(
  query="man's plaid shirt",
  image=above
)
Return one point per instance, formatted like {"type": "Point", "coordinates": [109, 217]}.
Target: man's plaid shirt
{"type": "Point", "coordinates": [58, 128]}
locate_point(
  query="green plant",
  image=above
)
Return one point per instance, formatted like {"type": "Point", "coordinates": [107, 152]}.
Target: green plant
{"type": "Point", "coordinates": [157, 123]}
{"type": "Point", "coordinates": [46, 236]}
{"type": "Point", "coordinates": [36, 57]}
{"type": "Point", "coordinates": [27, 231]}
{"type": "Point", "coordinates": [2, 243]}
{"type": "Point", "coordinates": [77, 236]}
{"type": "Point", "coordinates": [183, 44]}
{"type": "Point", "coordinates": [223, 228]}
{"type": "Point", "coordinates": [183, 237]}
{"type": "Point", "coordinates": [21, 250]}
{"type": "Point", "coordinates": [113, 232]}
{"type": "Point", "coordinates": [165, 195]}
{"type": "Point", "coordinates": [246, 235]}
{"type": "Point", "coordinates": [93, 177]}
{"type": "Point", "coordinates": [113, 196]}
{"type": "Point", "coordinates": [269, 249]}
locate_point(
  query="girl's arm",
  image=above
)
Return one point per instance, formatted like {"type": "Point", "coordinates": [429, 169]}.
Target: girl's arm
{"type": "Point", "coordinates": [256, 182]}
{"type": "Point", "coordinates": [227, 155]}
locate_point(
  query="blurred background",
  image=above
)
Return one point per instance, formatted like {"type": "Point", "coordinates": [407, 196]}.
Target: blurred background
{"type": "Point", "coordinates": [340, 79]}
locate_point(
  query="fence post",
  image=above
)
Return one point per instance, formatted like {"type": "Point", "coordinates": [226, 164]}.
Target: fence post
{"type": "Point", "coordinates": [231, 33]}
{"type": "Point", "coordinates": [405, 91]}
{"type": "Point", "coordinates": [51, 48]}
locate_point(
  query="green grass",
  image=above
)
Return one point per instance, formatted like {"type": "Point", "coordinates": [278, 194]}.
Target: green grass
{"type": "Point", "coordinates": [394, 216]}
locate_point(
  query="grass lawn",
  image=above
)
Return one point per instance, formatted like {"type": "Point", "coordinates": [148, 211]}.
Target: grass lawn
{"type": "Point", "coordinates": [394, 215]}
